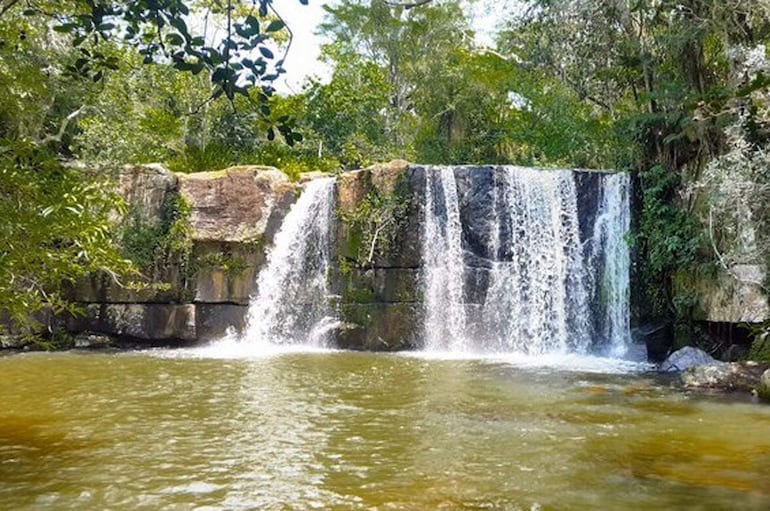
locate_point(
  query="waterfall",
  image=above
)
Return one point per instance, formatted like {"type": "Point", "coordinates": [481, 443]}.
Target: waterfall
{"type": "Point", "coordinates": [290, 306]}
{"type": "Point", "coordinates": [610, 259]}
{"type": "Point", "coordinates": [508, 269]}
{"type": "Point", "coordinates": [443, 264]}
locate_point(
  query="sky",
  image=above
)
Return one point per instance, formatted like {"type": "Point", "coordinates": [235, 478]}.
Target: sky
{"type": "Point", "coordinates": [302, 60]}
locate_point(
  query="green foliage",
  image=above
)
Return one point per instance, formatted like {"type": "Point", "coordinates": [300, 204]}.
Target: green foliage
{"type": "Point", "coordinates": [346, 115]}
{"type": "Point", "coordinates": [763, 393]}
{"type": "Point", "coordinates": [376, 223]}
{"type": "Point", "coordinates": [141, 241]}
{"type": "Point", "coordinates": [760, 347]}
{"type": "Point", "coordinates": [669, 239]}
{"type": "Point", "coordinates": [670, 234]}
{"type": "Point", "coordinates": [55, 229]}
{"type": "Point", "coordinates": [208, 158]}
{"type": "Point", "coordinates": [231, 264]}
{"type": "Point", "coordinates": [57, 339]}
{"type": "Point", "coordinates": [160, 33]}
{"type": "Point", "coordinates": [74, 83]}
{"type": "Point", "coordinates": [141, 114]}
{"type": "Point", "coordinates": [411, 83]}
{"type": "Point", "coordinates": [159, 248]}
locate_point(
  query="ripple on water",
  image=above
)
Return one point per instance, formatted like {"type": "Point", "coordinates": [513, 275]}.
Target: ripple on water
{"type": "Point", "coordinates": [336, 430]}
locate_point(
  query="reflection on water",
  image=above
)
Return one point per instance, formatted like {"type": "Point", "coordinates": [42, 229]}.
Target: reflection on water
{"type": "Point", "coordinates": [359, 431]}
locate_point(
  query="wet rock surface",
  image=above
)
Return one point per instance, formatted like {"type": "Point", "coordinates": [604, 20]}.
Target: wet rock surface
{"type": "Point", "coordinates": [658, 337]}
{"type": "Point", "coordinates": [687, 358]}
{"type": "Point", "coordinates": [729, 376]}
{"type": "Point", "coordinates": [234, 216]}
{"type": "Point", "coordinates": [88, 340]}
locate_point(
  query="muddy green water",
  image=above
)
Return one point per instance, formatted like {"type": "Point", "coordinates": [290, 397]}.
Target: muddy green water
{"type": "Point", "coordinates": [359, 431]}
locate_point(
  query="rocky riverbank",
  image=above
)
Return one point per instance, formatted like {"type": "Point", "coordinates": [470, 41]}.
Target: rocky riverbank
{"type": "Point", "coordinates": [697, 370]}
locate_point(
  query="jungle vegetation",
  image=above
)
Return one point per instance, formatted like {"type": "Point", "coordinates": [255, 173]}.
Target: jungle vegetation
{"type": "Point", "coordinates": [674, 91]}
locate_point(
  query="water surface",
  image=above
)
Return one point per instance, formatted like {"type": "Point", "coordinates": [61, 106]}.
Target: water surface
{"type": "Point", "coordinates": [362, 431]}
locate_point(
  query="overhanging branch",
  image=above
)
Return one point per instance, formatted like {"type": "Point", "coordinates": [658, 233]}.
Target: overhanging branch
{"type": "Point", "coordinates": [6, 6]}
{"type": "Point", "coordinates": [408, 5]}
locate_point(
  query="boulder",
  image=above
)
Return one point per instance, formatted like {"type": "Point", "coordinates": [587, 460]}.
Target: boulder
{"type": "Point", "coordinates": [685, 358]}
{"type": "Point", "coordinates": [589, 186]}
{"type": "Point", "coordinates": [214, 320]}
{"type": "Point", "coordinates": [763, 389]}
{"type": "Point", "coordinates": [378, 327]}
{"type": "Point", "coordinates": [226, 272]}
{"type": "Point", "coordinates": [658, 337]}
{"type": "Point", "coordinates": [736, 353]}
{"type": "Point", "coordinates": [145, 188]}
{"type": "Point", "coordinates": [348, 336]}
{"type": "Point", "coordinates": [733, 376]}
{"type": "Point", "coordinates": [9, 341]}
{"type": "Point", "coordinates": [238, 204]}
{"type": "Point", "coordinates": [378, 285]}
{"type": "Point", "coordinates": [101, 288]}
{"type": "Point", "coordinates": [144, 322]}
{"type": "Point", "coordinates": [87, 340]}
{"type": "Point", "coordinates": [478, 193]}
{"type": "Point", "coordinates": [385, 176]}
{"type": "Point", "coordinates": [393, 178]}
{"type": "Point", "coordinates": [736, 296]}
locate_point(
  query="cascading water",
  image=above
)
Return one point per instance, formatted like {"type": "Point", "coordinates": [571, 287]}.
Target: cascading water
{"type": "Point", "coordinates": [292, 290]}
{"type": "Point", "coordinates": [443, 264]}
{"type": "Point", "coordinates": [610, 259]}
{"type": "Point", "coordinates": [506, 269]}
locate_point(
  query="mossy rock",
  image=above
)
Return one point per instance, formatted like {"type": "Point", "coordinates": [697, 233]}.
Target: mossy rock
{"type": "Point", "coordinates": [763, 389]}
{"type": "Point", "coordinates": [760, 349]}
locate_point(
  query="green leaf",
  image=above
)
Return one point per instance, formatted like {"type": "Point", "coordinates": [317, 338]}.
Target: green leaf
{"type": "Point", "coordinates": [66, 28]}
{"type": "Point", "coordinates": [275, 26]}
{"type": "Point", "coordinates": [175, 39]}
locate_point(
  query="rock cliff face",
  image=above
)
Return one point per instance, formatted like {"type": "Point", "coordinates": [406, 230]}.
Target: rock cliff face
{"type": "Point", "coordinates": [734, 296]}
{"type": "Point", "coordinates": [731, 286]}
{"type": "Point", "coordinates": [230, 217]}
{"type": "Point", "coordinates": [378, 280]}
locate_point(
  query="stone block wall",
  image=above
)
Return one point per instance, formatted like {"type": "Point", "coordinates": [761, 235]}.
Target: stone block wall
{"type": "Point", "coordinates": [374, 282]}
{"type": "Point", "coordinates": [233, 216]}
{"type": "Point", "coordinates": [378, 300]}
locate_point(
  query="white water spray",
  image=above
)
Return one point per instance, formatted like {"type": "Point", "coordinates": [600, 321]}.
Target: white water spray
{"type": "Point", "coordinates": [291, 305]}
{"type": "Point", "coordinates": [611, 260]}
{"type": "Point", "coordinates": [539, 283]}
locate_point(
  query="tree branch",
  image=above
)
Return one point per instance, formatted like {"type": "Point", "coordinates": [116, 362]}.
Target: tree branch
{"type": "Point", "coordinates": [376, 235]}
{"type": "Point", "coordinates": [408, 5]}
{"type": "Point", "coordinates": [6, 7]}
{"type": "Point", "coordinates": [721, 259]}
{"type": "Point", "coordinates": [65, 123]}
{"type": "Point", "coordinates": [288, 29]}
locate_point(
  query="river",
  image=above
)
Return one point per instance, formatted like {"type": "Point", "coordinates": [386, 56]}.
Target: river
{"type": "Point", "coordinates": [333, 430]}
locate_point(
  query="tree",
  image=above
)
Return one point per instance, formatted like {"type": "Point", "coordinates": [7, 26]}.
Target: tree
{"type": "Point", "coordinates": [669, 77]}
{"type": "Point", "coordinates": [55, 62]}
{"type": "Point", "coordinates": [402, 42]}
{"type": "Point", "coordinates": [55, 229]}
{"type": "Point", "coordinates": [349, 114]}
